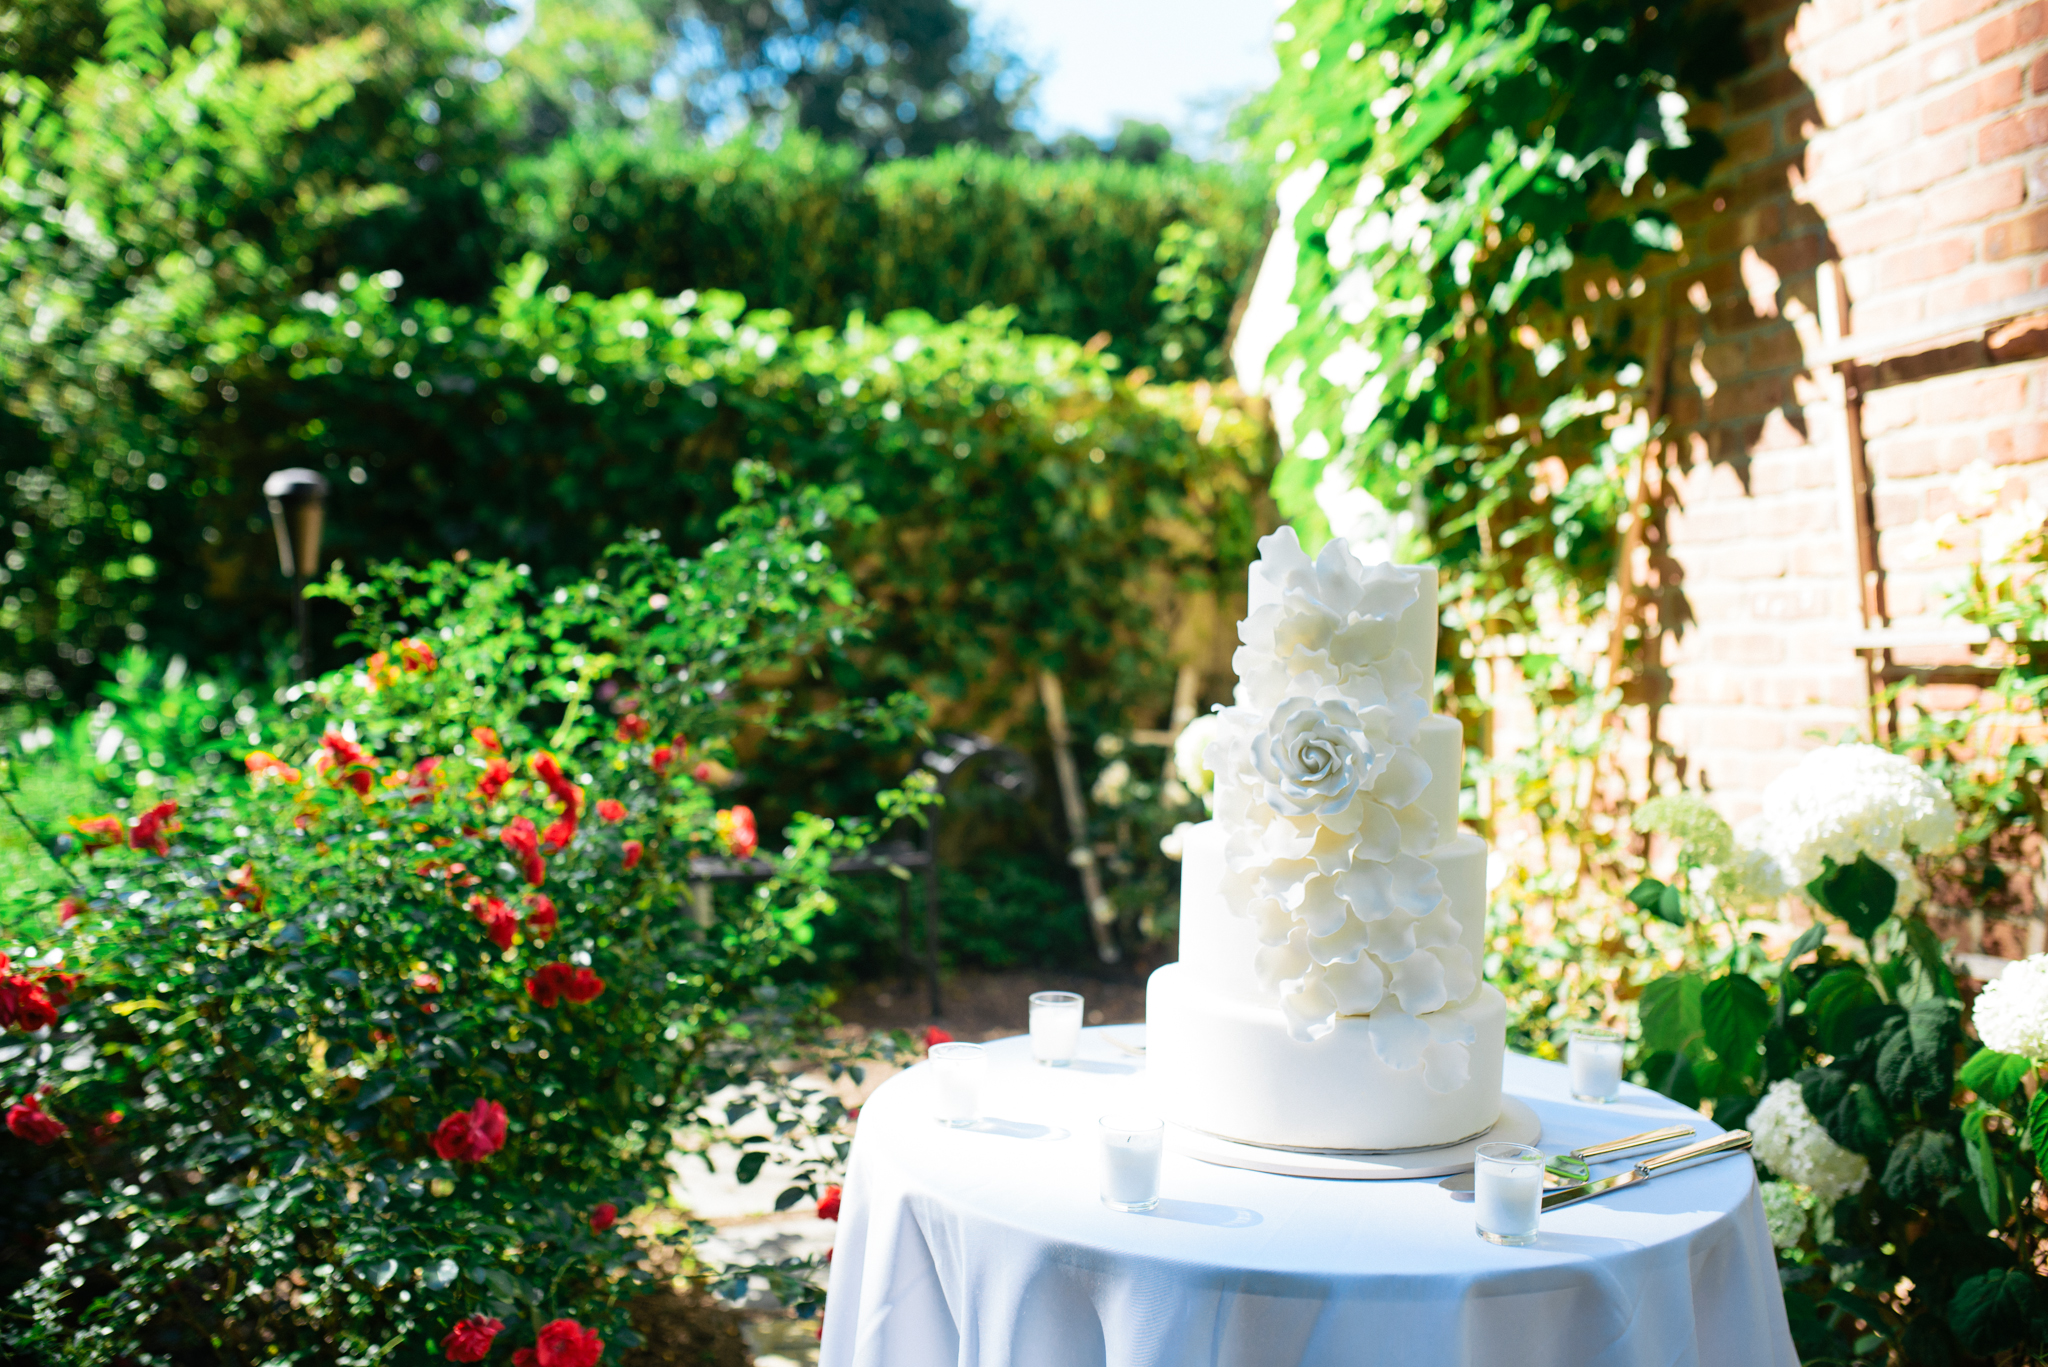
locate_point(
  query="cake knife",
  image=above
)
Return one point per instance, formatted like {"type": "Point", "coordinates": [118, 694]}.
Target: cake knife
{"type": "Point", "coordinates": [1590, 1153]}
{"type": "Point", "coordinates": [1735, 1141]}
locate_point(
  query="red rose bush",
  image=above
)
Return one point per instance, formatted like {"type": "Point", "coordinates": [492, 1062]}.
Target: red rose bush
{"type": "Point", "coordinates": [403, 1007]}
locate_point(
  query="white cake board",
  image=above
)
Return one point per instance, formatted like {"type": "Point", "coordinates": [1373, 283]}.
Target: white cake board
{"type": "Point", "coordinates": [1517, 1125]}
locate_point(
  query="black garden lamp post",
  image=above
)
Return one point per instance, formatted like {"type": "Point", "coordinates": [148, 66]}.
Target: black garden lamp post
{"type": "Point", "coordinates": [298, 501]}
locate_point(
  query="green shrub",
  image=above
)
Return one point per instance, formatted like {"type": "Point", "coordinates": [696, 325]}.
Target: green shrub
{"type": "Point", "coordinates": [455, 884]}
{"type": "Point", "coordinates": [1076, 248]}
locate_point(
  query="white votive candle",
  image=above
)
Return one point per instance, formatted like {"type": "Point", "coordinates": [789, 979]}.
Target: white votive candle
{"type": "Point", "coordinates": [1594, 1055]}
{"type": "Point", "coordinates": [1507, 1192]}
{"type": "Point", "coordinates": [957, 1073]}
{"type": "Point", "coordinates": [1055, 1027]}
{"type": "Point", "coordinates": [1131, 1146]}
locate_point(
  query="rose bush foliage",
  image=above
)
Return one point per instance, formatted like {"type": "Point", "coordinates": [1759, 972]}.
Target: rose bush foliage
{"type": "Point", "coordinates": [327, 1083]}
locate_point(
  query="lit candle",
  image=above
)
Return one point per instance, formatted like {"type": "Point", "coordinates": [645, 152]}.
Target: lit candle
{"type": "Point", "coordinates": [1594, 1055]}
{"type": "Point", "coordinates": [957, 1072]}
{"type": "Point", "coordinates": [1507, 1182]}
{"type": "Point", "coordinates": [1131, 1146]}
{"type": "Point", "coordinates": [1055, 1027]}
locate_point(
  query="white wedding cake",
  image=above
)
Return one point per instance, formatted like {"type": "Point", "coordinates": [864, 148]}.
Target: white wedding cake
{"type": "Point", "coordinates": [1332, 923]}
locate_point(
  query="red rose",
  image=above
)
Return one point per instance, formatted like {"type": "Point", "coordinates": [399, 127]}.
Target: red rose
{"type": "Point", "coordinates": [101, 832]}
{"type": "Point", "coordinates": [264, 766]}
{"type": "Point", "coordinates": [523, 840]}
{"type": "Point", "coordinates": [417, 656]}
{"type": "Point", "coordinates": [736, 831]}
{"type": "Point", "coordinates": [486, 738]}
{"type": "Point", "coordinates": [582, 986]}
{"type": "Point", "coordinates": [60, 986]}
{"type": "Point", "coordinates": [26, 1119]}
{"type": "Point", "coordinates": [828, 1207]}
{"type": "Point", "coordinates": [704, 772]}
{"type": "Point", "coordinates": [548, 770]}
{"type": "Point", "coordinates": [611, 809]}
{"type": "Point", "coordinates": [496, 775]}
{"type": "Point", "coordinates": [152, 827]}
{"type": "Point", "coordinates": [68, 912]}
{"type": "Point", "coordinates": [243, 888]}
{"type": "Point", "coordinates": [604, 1217]}
{"type": "Point", "coordinates": [24, 1003]}
{"type": "Point", "coordinates": [423, 783]}
{"type": "Point", "coordinates": [345, 763]}
{"type": "Point", "coordinates": [470, 1339]}
{"type": "Point", "coordinates": [473, 1135]}
{"type": "Point", "coordinates": [551, 982]}
{"type": "Point", "coordinates": [104, 1131]}
{"type": "Point", "coordinates": [632, 727]}
{"type": "Point", "coordinates": [498, 919]}
{"type": "Point", "coordinates": [563, 1343]}
{"type": "Point", "coordinates": [559, 833]}
{"type": "Point", "coordinates": [662, 757]}
{"type": "Point", "coordinates": [426, 982]}
{"type": "Point", "coordinates": [634, 849]}
{"type": "Point", "coordinates": [934, 1035]}
{"type": "Point", "coordinates": [541, 918]}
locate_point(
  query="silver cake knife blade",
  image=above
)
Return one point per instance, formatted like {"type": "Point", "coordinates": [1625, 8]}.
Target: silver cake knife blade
{"type": "Point", "coordinates": [1735, 1141]}
{"type": "Point", "coordinates": [1589, 1153]}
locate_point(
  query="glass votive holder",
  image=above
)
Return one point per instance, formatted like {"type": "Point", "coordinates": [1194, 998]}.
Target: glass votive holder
{"type": "Point", "coordinates": [1507, 1192]}
{"type": "Point", "coordinates": [957, 1073]}
{"type": "Point", "coordinates": [1131, 1147]}
{"type": "Point", "coordinates": [1055, 1027]}
{"type": "Point", "coordinates": [1594, 1056]}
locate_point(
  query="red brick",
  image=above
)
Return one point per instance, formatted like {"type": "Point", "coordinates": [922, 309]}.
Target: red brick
{"type": "Point", "coordinates": [1776, 348]}
{"type": "Point", "coordinates": [1764, 89]}
{"type": "Point", "coordinates": [1747, 649]}
{"type": "Point", "coordinates": [2009, 30]}
{"type": "Point", "coordinates": [1940, 63]}
{"type": "Point", "coordinates": [1896, 82]}
{"type": "Point", "coordinates": [2002, 138]}
{"type": "Point", "coordinates": [2017, 445]}
{"type": "Point", "coordinates": [1881, 226]}
{"type": "Point", "coordinates": [1921, 163]}
{"type": "Point", "coordinates": [1926, 260]}
{"type": "Point", "coordinates": [1905, 459]}
{"type": "Point", "coordinates": [1894, 507]}
{"type": "Point", "coordinates": [1751, 142]}
{"type": "Point", "coordinates": [1854, 50]}
{"type": "Point", "coordinates": [2037, 75]}
{"type": "Point", "coordinates": [1940, 14]}
{"type": "Point", "coordinates": [2019, 236]}
{"type": "Point", "coordinates": [1999, 90]}
{"type": "Point", "coordinates": [1841, 195]}
{"type": "Point", "coordinates": [1979, 290]}
{"type": "Point", "coordinates": [1979, 197]}
{"type": "Point", "coordinates": [1977, 397]}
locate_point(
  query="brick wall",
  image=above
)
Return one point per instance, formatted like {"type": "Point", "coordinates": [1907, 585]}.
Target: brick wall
{"type": "Point", "coordinates": [1907, 141]}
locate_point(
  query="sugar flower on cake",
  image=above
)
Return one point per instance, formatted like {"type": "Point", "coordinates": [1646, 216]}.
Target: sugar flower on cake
{"type": "Point", "coordinates": [1844, 800]}
{"type": "Point", "coordinates": [1190, 757]}
{"type": "Point", "coordinates": [1317, 794]}
{"type": "Point", "coordinates": [2011, 1014]}
{"type": "Point", "coordinates": [1793, 1145]}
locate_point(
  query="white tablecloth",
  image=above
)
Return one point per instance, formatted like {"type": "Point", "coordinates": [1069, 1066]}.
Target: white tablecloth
{"type": "Point", "coordinates": [988, 1247]}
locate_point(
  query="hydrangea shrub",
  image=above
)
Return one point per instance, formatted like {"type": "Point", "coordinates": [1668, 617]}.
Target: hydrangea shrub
{"type": "Point", "coordinates": [357, 1055]}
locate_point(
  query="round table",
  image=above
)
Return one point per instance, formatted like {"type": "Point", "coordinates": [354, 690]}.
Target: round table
{"type": "Point", "coordinates": [987, 1247]}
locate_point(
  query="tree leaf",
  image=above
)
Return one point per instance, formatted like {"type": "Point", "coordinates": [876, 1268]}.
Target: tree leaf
{"type": "Point", "coordinates": [750, 1166]}
{"type": "Point", "coordinates": [1849, 1110]}
{"type": "Point", "coordinates": [1734, 1012]}
{"type": "Point", "coordinates": [1833, 1001]}
{"type": "Point", "coordinates": [1922, 1163]}
{"type": "Point", "coordinates": [1995, 1076]}
{"type": "Point", "coordinates": [2037, 1126]}
{"type": "Point", "coordinates": [1860, 895]}
{"type": "Point", "coordinates": [1670, 1013]}
{"type": "Point", "coordinates": [382, 1271]}
{"type": "Point", "coordinates": [1995, 1311]}
{"type": "Point", "coordinates": [440, 1275]}
{"type": "Point", "coordinates": [1809, 940]}
{"type": "Point", "coordinates": [1660, 900]}
{"type": "Point", "coordinates": [1983, 1163]}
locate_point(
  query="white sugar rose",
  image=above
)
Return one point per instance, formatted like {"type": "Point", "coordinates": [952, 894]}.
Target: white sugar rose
{"type": "Point", "coordinates": [1793, 1145]}
{"type": "Point", "coordinates": [2011, 1014]}
{"type": "Point", "coordinates": [1321, 622]}
{"type": "Point", "coordinates": [1327, 761]}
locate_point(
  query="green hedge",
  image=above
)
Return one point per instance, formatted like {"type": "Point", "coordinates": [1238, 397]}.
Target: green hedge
{"type": "Point", "coordinates": [1076, 247]}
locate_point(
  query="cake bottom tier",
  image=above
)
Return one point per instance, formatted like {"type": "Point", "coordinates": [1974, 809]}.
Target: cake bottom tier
{"type": "Point", "coordinates": [1229, 1068]}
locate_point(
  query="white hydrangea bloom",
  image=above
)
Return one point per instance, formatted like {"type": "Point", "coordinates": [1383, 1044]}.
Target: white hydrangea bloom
{"type": "Point", "coordinates": [1784, 1213]}
{"type": "Point", "coordinates": [1112, 785]}
{"type": "Point", "coordinates": [2011, 1014]}
{"type": "Point", "coordinates": [1174, 844]}
{"type": "Point", "coordinates": [1318, 797]}
{"type": "Point", "coordinates": [1844, 800]}
{"type": "Point", "coordinates": [1793, 1145]}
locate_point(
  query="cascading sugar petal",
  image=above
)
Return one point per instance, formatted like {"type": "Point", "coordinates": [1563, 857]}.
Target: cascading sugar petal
{"type": "Point", "coordinates": [1357, 988]}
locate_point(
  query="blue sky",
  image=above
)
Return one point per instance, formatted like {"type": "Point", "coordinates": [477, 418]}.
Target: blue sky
{"type": "Point", "coordinates": [1176, 62]}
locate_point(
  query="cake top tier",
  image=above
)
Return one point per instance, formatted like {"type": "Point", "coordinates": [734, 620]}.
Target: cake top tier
{"type": "Point", "coordinates": [1334, 626]}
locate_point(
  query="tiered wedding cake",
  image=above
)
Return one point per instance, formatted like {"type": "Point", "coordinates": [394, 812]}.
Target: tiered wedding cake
{"type": "Point", "coordinates": [1332, 914]}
